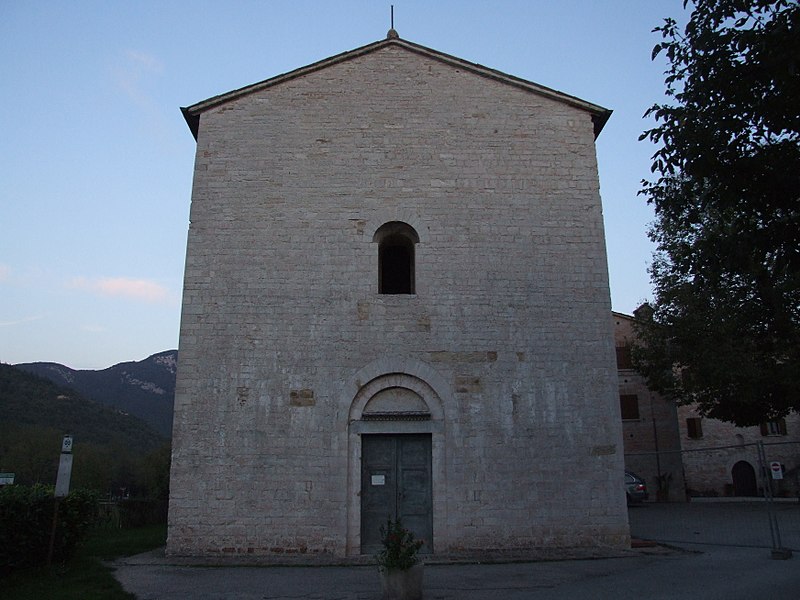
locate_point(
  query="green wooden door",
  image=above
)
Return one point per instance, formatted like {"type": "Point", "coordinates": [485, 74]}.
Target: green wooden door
{"type": "Point", "coordinates": [396, 483]}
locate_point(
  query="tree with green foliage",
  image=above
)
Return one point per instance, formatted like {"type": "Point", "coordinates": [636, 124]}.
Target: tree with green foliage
{"type": "Point", "coordinates": [724, 329]}
{"type": "Point", "coordinates": [31, 453]}
{"type": "Point", "coordinates": [153, 473]}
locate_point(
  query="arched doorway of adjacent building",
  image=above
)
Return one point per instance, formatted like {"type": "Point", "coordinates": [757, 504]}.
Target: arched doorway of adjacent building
{"type": "Point", "coordinates": [744, 479]}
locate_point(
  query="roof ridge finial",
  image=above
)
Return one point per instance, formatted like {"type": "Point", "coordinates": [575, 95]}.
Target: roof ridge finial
{"type": "Point", "coordinates": [392, 35]}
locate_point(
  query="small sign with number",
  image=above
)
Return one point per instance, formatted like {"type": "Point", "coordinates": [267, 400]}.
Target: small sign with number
{"type": "Point", "coordinates": [64, 468]}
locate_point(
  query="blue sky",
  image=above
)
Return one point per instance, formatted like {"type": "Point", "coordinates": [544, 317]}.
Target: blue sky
{"type": "Point", "coordinates": [96, 159]}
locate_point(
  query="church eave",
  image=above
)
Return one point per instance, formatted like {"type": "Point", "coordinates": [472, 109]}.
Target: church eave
{"type": "Point", "coordinates": [599, 114]}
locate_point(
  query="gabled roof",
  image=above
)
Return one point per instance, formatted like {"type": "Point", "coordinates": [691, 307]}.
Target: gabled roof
{"type": "Point", "coordinates": [599, 114]}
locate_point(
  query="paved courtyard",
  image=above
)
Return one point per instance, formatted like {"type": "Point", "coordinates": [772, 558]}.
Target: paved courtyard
{"type": "Point", "coordinates": [717, 522]}
{"type": "Point", "coordinates": [714, 551]}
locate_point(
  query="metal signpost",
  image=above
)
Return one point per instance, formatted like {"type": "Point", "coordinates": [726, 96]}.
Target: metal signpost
{"type": "Point", "coordinates": [62, 488]}
{"type": "Point", "coordinates": [778, 551]}
{"type": "Point", "coordinates": [64, 467]}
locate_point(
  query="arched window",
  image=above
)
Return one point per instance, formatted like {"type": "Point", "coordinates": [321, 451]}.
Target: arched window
{"type": "Point", "coordinates": [396, 257]}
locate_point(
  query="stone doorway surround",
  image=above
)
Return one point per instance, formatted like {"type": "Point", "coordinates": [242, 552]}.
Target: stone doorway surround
{"type": "Point", "coordinates": [408, 396]}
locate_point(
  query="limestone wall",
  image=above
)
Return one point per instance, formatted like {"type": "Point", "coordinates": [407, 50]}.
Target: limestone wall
{"type": "Point", "coordinates": [509, 324]}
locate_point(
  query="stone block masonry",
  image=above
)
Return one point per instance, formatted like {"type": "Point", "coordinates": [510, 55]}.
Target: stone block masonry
{"type": "Point", "coordinates": [285, 338]}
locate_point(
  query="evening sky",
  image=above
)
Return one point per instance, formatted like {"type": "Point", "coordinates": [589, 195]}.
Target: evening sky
{"type": "Point", "coordinates": [96, 169]}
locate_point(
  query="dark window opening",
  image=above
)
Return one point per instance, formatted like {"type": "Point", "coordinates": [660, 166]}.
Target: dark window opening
{"type": "Point", "coordinates": [694, 427]}
{"type": "Point", "coordinates": [774, 427]}
{"type": "Point", "coordinates": [624, 360]}
{"type": "Point", "coordinates": [396, 266]}
{"type": "Point", "coordinates": [396, 258]}
{"type": "Point", "coordinates": [629, 406]}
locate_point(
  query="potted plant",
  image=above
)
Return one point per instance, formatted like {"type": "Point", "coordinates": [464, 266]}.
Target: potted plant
{"type": "Point", "coordinates": [398, 563]}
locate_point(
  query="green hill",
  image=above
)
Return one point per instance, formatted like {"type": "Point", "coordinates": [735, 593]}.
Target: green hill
{"type": "Point", "coordinates": [27, 399]}
{"type": "Point", "coordinates": [35, 413]}
{"type": "Point", "coordinates": [145, 388]}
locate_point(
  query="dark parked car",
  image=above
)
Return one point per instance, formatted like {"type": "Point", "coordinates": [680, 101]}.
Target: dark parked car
{"type": "Point", "coordinates": [635, 488]}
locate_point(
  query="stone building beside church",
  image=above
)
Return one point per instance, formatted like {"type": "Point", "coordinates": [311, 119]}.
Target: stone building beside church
{"type": "Point", "coordinates": [650, 433]}
{"type": "Point", "coordinates": [396, 304]}
{"type": "Point", "coordinates": [683, 455]}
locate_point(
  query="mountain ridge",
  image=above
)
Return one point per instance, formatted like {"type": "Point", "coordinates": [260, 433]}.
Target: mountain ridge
{"type": "Point", "coordinates": [144, 389]}
{"type": "Point", "coordinates": [29, 400]}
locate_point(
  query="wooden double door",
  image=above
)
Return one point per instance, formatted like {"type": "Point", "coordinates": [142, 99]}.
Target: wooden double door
{"type": "Point", "coordinates": [396, 484]}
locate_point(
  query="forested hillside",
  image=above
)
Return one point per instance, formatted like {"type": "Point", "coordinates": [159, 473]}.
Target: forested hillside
{"type": "Point", "coordinates": [145, 388]}
{"type": "Point", "coordinates": [110, 447]}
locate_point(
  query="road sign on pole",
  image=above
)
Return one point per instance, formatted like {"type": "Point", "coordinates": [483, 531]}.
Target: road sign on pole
{"type": "Point", "coordinates": [64, 468]}
{"type": "Point", "coordinates": [776, 469]}
{"type": "Point", "coordinates": [62, 488]}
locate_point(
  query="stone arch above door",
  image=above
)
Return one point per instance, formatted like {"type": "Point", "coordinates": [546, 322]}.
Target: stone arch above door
{"type": "Point", "coordinates": [396, 372]}
{"type": "Point", "coordinates": [395, 396]}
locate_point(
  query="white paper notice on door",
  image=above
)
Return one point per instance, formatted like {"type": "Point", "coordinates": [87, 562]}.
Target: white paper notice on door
{"type": "Point", "coordinates": [378, 479]}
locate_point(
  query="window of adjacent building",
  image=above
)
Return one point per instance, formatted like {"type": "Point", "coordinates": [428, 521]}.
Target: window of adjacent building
{"type": "Point", "coordinates": [774, 427]}
{"type": "Point", "coordinates": [624, 360]}
{"type": "Point", "coordinates": [629, 406]}
{"type": "Point", "coordinates": [694, 427]}
{"type": "Point", "coordinates": [396, 260]}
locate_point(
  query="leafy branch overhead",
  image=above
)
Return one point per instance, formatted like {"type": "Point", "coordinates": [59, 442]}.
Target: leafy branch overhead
{"type": "Point", "coordinates": [726, 191]}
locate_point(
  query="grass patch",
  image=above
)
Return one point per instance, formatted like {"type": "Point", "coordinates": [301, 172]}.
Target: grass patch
{"type": "Point", "coordinates": [108, 544]}
{"type": "Point", "coordinates": [85, 577]}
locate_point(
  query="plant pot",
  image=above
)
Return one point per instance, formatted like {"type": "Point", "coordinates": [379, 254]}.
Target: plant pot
{"type": "Point", "coordinates": [402, 584]}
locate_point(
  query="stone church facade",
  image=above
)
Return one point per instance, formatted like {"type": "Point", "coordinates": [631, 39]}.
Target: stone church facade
{"type": "Point", "coordinates": [395, 305]}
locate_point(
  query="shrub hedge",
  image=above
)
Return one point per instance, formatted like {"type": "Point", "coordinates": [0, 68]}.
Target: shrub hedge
{"type": "Point", "coordinates": [26, 523]}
